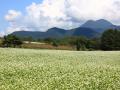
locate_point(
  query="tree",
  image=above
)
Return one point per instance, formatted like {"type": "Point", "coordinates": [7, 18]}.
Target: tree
{"type": "Point", "coordinates": [30, 39]}
{"type": "Point", "coordinates": [110, 40]}
{"type": "Point", "coordinates": [94, 44]}
{"type": "Point", "coordinates": [11, 41]}
{"type": "Point", "coordinates": [78, 45]}
{"type": "Point", "coordinates": [48, 40]}
{"type": "Point", "coordinates": [55, 43]}
{"type": "Point", "coordinates": [83, 43]}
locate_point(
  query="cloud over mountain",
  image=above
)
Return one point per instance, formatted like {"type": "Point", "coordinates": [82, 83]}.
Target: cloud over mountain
{"type": "Point", "coordinates": [62, 13]}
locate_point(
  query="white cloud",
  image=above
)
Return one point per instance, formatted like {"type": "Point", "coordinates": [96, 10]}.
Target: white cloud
{"type": "Point", "coordinates": [2, 33]}
{"type": "Point", "coordinates": [12, 15]}
{"type": "Point", "coordinates": [63, 14]}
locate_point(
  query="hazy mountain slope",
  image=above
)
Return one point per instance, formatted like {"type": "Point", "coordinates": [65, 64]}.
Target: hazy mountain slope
{"type": "Point", "coordinates": [89, 29]}
{"type": "Point", "coordinates": [99, 25]}
{"type": "Point", "coordinates": [57, 33]}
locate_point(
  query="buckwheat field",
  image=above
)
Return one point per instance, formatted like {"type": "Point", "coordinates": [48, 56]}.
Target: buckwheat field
{"type": "Point", "coordinates": [29, 69]}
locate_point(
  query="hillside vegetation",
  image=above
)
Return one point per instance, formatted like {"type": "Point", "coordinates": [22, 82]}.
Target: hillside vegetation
{"type": "Point", "coordinates": [29, 69]}
{"type": "Point", "coordinates": [110, 40]}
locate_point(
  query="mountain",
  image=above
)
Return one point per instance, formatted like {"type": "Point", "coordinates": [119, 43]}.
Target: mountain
{"type": "Point", "coordinates": [52, 33]}
{"type": "Point", "coordinates": [99, 25]}
{"type": "Point", "coordinates": [57, 33]}
{"type": "Point", "coordinates": [23, 34]}
{"type": "Point", "coordinates": [89, 29]}
{"type": "Point", "coordinates": [87, 32]}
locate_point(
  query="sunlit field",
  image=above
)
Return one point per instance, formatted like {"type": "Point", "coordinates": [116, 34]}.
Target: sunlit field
{"type": "Point", "coordinates": [29, 69]}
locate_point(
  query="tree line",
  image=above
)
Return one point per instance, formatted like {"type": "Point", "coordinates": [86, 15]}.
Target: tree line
{"type": "Point", "coordinates": [109, 40]}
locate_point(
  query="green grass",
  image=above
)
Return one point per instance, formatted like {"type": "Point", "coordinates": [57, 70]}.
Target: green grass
{"type": "Point", "coordinates": [28, 69]}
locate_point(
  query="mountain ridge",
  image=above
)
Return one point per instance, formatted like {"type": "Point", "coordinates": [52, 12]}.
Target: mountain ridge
{"type": "Point", "coordinates": [54, 33]}
{"type": "Point", "coordinates": [89, 29]}
{"type": "Point", "coordinates": [99, 25]}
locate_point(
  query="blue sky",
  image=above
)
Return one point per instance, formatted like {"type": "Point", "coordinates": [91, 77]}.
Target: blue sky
{"type": "Point", "coordinates": [6, 5]}
{"type": "Point", "coordinates": [40, 15]}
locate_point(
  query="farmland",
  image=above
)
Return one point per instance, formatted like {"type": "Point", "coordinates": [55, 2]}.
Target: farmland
{"type": "Point", "coordinates": [29, 69]}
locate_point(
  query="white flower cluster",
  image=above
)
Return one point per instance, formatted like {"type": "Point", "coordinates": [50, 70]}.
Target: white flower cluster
{"type": "Point", "coordinates": [25, 69]}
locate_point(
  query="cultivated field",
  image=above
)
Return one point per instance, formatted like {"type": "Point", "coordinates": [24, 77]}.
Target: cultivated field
{"type": "Point", "coordinates": [28, 69]}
